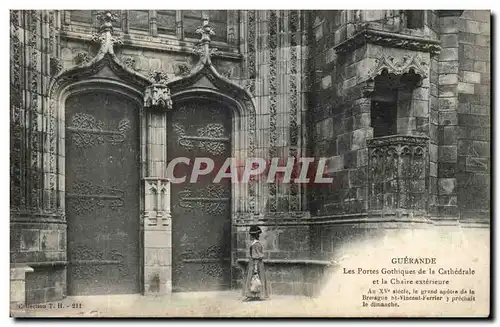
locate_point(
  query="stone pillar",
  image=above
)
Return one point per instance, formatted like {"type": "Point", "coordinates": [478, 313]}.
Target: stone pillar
{"type": "Point", "coordinates": [157, 224]}
{"type": "Point", "coordinates": [157, 237]}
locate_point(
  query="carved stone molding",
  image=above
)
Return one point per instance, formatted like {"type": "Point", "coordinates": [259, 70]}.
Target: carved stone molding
{"type": "Point", "coordinates": [387, 39]}
{"type": "Point", "coordinates": [397, 140]}
{"type": "Point", "coordinates": [399, 66]}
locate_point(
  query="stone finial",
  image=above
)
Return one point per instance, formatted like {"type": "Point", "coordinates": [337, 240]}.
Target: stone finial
{"type": "Point", "coordinates": [205, 30]}
{"type": "Point", "coordinates": [203, 48]}
{"type": "Point", "coordinates": [106, 19]}
{"type": "Point", "coordinates": [105, 34]}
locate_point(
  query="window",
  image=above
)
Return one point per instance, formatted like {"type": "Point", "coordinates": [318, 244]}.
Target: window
{"type": "Point", "coordinates": [384, 118]}
{"type": "Point", "coordinates": [414, 19]}
{"type": "Point", "coordinates": [89, 17]}
{"type": "Point", "coordinates": [192, 19]}
{"type": "Point", "coordinates": [139, 20]}
{"type": "Point", "coordinates": [165, 20]}
{"type": "Point", "coordinates": [82, 16]}
{"type": "Point", "coordinates": [218, 20]}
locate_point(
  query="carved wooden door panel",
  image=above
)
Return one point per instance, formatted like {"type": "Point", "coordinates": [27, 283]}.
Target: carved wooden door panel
{"type": "Point", "coordinates": [102, 194]}
{"type": "Point", "coordinates": [201, 222]}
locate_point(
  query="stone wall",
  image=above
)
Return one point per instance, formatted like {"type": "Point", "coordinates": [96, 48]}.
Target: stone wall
{"type": "Point", "coordinates": [463, 117]}
{"type": "Point", "coordinates": [473, 160]}
{"type": "Point", "coordinates": [340, 120]}
{"type": "Point", "coordinates": [447, 106]}
{"type": "Point", "coordinates": [36, 219]}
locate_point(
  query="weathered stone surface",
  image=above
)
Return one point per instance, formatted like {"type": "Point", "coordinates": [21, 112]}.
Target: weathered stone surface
{"type": "Point", "coordinates": [447, 153]}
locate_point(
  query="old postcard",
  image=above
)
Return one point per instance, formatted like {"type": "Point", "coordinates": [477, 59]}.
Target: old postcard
{"type": "Point", "coordinates": [250, 163]}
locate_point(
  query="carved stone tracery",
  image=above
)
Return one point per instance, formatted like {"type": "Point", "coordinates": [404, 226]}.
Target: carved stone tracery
{"type": "Point", "coordinates": [405, 65]}
{"type": "Point", "coordinates": [397, 173]}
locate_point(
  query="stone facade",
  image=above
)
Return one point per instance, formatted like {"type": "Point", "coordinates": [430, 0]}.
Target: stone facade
{"type": "Point", "coordinates": [398, 101]}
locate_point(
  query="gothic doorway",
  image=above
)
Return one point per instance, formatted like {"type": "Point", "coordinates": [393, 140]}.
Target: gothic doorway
{"type": "Point", "coordinates": [102, 193]}
{"type": "Point", "coordinates": [201, 211]}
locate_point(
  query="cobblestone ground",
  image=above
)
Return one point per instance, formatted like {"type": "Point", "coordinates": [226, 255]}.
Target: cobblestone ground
{"type": "Point", "coordinates": [203, 304]}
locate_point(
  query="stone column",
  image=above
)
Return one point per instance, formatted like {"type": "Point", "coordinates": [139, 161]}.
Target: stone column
{"type": "Point", "coordinates": [157, 226]}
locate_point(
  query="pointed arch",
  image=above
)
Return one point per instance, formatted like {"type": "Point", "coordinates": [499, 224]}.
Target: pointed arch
{"type": "Point", "coordinates": [206, 82]}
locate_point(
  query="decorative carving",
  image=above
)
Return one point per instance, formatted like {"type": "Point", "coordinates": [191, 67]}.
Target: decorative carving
{"type": "Point", "coordinates": [55, 66]}
{"type": "Point", "coordinates": [157, 203]}
{"type": "Point", "coordinates": [129, 62]}
{"type": "Point", "coordinates": [397, 175]}
{"type": "Point", "coordinates": [183, 69]}
{"type": "Point", "coordinates": [86, 197]}
{"type": "Point", "coordinates": [211, 260]}
{"type": "Point", "coordinates": [86, 254]}
{"type": "Point", "coordinates": [214, 199]}
{"type": "Point", "coordinates": [34, 89]}
{"type": "Point", "coordinates": [405, 65]}
{"type": "Point", "coordinates": [273, 88]}
{"type": "Point", "coordinates": [294, 24]}
{"type": "Point", "coordinates": [250, 85]}
{"type": "Point", "coordinates": [388, 39]}
{"type": "Point", "coordinates": [87, 262]}
{"type": "Point", "coordinates": [157, 95]}
{"type": "Point", "coordinates": [203, 49]}
{"type": "Point", "coordinates": [158, 77]}
{"type": "Point", "coordinates": [16, 102]}
{"type": "Point", "coordinates": [105, 36]}
{"type": "Point", "coordinates": [87, 131]}
{"type": "Point", "coordinates": [82, 58]}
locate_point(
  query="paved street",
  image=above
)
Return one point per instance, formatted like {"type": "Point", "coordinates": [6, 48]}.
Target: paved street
{"type": "Point", "coordinates": [202, 304]}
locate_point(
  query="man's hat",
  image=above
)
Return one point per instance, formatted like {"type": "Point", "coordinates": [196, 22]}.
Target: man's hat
{"type": "Point", "coordinates": [255, 230]}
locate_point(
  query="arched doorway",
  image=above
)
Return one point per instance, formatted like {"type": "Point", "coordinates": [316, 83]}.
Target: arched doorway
{"type": "Point", "coordinates": [102, 164]}
{"type": "Point", "coordinates": [201, 210]}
